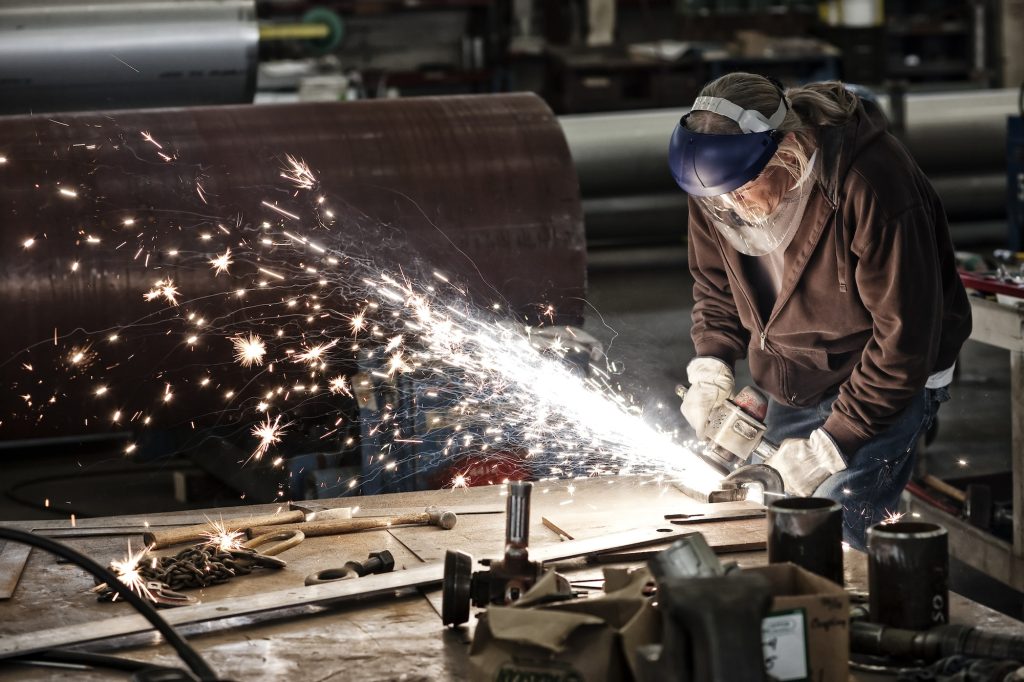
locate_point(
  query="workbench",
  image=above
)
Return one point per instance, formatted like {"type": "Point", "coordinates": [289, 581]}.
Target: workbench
{"type": "Point", "coordinates": [389, 637]}
{"type": "Point", "coordinates": [1001, 326]}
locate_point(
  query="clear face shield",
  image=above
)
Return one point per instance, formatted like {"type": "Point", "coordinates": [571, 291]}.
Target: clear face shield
{"type": "Point", "coordinates": [760, 216]}
{"type": "Point", "coordinates": [751, 203]}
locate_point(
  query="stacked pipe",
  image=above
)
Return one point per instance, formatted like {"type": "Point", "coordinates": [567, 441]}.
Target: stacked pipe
{"type": "Point", "coordinates": [958, 139]}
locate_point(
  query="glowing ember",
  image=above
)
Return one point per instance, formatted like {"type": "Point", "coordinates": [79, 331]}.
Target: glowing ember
{"type": "Point", "coordinates": [164, 288]}
{"type": "Point", "coordinates": [269, 433]}
{"type": "Point", "coordinates": [127, 571]}
{"type": "Point", "coordinates": [249, 350]}
{"type": "Point", "coordinates": [339, 385]}
{"type": "Point", "coordinates": [220, 263]}
{"type": "Point", "coordinates": [313, 355]}
{"type": "Point", "coordinates": [892, 517]}
{"type": "Point", "coordinates": [226, 541]}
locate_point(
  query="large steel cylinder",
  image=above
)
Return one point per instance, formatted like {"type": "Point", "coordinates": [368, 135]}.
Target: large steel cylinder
{"type": "Point", "coordinates": [70, 55]}
{"type": "Point", "coordinates": [96, 208]}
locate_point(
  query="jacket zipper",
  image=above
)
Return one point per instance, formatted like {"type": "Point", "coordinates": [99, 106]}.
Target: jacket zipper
{"type": "Point", "coordinates": [756, 314]}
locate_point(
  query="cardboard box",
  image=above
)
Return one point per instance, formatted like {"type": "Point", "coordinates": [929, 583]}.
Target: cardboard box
{"type": "Point", "coordinates": [807, 635]}
{"type": "Point", "coordinates": [583, 640]}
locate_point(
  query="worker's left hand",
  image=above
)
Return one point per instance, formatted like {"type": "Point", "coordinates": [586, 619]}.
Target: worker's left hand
{"type": "Point", "coordinates": [805, 462]}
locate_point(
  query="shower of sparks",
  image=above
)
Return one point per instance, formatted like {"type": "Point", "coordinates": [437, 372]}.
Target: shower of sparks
{"type": "Point", "coordinates": [127, 571]}
{"type": "Point", "coordinates": [298, 173]}
{"type": "Point", "coordinates": [269, 433]}
{"type": "Point", "coordinates": [249, 350]}
{"type": "Point", "coordinates": [220, 263]}
{"type": "Point", "coordinates": [451, 384]}
{"type": "Point", "coordinates": [164, 288]}
{"type": "Point", "coordinates": [220, 537]}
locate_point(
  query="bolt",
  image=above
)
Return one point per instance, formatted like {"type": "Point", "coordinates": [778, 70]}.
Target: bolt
{"type": "Point", "coordinates": [378, 562]}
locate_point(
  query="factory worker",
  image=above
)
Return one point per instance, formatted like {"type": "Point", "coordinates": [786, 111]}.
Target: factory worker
{"type": "Point", "coordinates": [821, 253]}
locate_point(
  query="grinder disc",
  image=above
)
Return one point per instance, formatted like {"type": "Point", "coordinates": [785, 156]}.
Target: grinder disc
{"type": "Point", "coordinates": [455, 598]}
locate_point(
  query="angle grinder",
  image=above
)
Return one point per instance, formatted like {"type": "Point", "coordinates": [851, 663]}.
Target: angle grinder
{"type": "Point", "coordinates": [735, 431]}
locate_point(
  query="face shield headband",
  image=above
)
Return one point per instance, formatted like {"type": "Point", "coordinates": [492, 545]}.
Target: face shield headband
{"type": "Point", "coordinates": [707, 165]}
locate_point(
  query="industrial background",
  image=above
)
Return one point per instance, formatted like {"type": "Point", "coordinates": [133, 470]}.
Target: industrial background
{"type": "Point", "coordinates": [238, 236]}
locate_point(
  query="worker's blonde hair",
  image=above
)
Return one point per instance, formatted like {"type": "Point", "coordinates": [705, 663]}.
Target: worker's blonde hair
{"type": "Point", "coordinates": [810, 106]}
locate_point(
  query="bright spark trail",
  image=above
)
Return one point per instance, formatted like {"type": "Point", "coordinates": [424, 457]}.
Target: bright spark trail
{"type": "Point", "coordinates": [335, 329]}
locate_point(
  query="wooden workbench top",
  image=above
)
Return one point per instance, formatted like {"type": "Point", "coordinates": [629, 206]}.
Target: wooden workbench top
{"type": "Point", "coordinates": [385, 638]}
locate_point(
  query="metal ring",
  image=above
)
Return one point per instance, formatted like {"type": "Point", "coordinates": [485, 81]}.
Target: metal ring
{"type": "Point", "coordinates": [330, 575]}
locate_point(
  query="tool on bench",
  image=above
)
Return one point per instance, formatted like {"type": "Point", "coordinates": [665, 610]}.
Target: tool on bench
{"type": "Point", "coordinates": [929, 645]}
{"type": "Point", "coordinates": [431, 516]}
{"type": "Point", "coordinates": [378, 562]}
{"type": "Point", "coordinates": [735, 431]}
{"type": "Point", "coordinates": [296, 513]}
{"type": "Point", "coordinates": [507, 579]}
{"type": "Point", "coordinates": [711, 618]}
{"type": "Point", "coordinates": [278, 541]}
{"type": "Point", "coordinates": [683, 519]}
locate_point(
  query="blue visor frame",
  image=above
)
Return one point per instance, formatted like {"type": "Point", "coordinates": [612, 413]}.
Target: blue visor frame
{"type": "Point", "coordinates": [709, 165]}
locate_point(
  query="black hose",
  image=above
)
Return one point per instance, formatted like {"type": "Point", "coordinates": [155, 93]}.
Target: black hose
{"type": "Point", "coordinates": [189, 655]}
{"type": "Point", "coordinates": [64, 657]}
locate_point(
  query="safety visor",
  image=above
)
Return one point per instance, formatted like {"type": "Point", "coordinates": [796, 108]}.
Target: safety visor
{"type": "Point", "coordinates": [709, 164]}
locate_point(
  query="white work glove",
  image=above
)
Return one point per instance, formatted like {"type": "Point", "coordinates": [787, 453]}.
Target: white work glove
{"type": "Point", "coordinates": [711, 384]}
{"type": "Point", "coordinates": [805, 462]}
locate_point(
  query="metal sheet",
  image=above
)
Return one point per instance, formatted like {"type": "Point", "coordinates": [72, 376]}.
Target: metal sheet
{"type": "Point", "coordinates": [67, 55]}
{"type": "Point", "coordinates": [480, 187]}
{"type": "Point", "coordinates": [329, 593]}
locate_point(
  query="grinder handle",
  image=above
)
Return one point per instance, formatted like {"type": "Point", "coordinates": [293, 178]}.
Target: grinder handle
{"type": "Point", "coordinates": [766, 449]}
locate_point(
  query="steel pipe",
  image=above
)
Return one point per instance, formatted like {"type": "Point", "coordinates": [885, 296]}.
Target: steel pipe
{"type": "Point", "coordinates": [69, 55]}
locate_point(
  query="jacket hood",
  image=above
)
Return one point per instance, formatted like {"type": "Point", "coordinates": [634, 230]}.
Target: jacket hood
{"type": "Point", "coordinates": [841, 145]}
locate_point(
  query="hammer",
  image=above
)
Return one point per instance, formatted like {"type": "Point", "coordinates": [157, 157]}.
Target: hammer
{"type": "Point", "coordinates": [431, 516]}
{"type": "Point", "coordinates": [296, 515]}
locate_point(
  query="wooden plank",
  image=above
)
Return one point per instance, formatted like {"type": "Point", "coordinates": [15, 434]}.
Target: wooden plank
{"type": "Point", "coordinates": [13, 558]}
{"type": "Point", "coordinates": [973, 546]}
{"type": "Point", "coordinates": [997, 325]}
{"type": "Point", "coordinates": [329, 593]}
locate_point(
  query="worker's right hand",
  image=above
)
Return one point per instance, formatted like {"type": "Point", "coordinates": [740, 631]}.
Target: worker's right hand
{"type": "Point", "coordinates": [711, 384]}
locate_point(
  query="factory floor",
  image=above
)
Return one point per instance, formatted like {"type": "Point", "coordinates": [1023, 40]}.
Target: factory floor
{"type": "Point", "coordinates": [640, 309]}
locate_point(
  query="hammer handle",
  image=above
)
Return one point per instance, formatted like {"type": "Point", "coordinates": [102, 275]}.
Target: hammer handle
{"type": "Point", "coordinates": [340, 526]}
{"type": "Point", "coordinates": [174, 536]}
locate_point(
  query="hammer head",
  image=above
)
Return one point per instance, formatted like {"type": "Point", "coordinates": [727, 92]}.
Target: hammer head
{"type": "Point", "coordinates": [441, 518]}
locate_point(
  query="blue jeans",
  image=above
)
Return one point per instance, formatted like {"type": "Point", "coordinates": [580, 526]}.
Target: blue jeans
{"type": "Point", "coordinates": [870, 487]}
